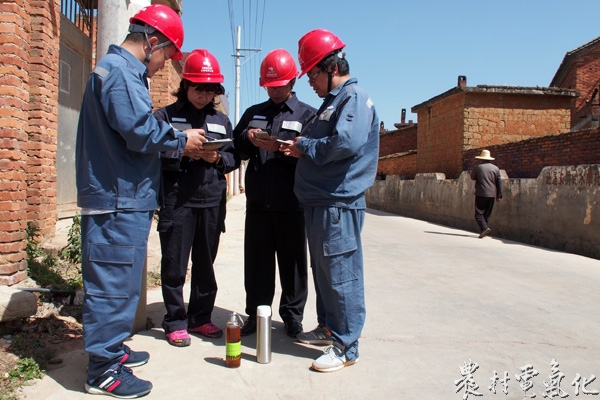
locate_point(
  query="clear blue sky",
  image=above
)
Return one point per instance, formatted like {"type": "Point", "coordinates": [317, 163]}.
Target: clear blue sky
{"type": "Point", "coordinates": [402, 52]}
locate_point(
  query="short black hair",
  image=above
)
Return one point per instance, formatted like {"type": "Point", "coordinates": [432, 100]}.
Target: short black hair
{"type": "Point", "coordinates": [138, 37]}
{"type": "Point", "coordinates": [335, 59]}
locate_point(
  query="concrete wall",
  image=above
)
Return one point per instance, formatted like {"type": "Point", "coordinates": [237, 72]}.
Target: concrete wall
{"type": "Point", "coordinates": [558, 210]}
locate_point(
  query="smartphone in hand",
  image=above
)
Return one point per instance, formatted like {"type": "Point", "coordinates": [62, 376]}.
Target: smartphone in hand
{"type": "Point", "coordinates": [262, 135]}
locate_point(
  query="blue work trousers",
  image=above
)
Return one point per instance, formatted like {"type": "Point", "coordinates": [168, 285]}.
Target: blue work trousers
{"type": "Point", "coordinates": [335, 246]}
{"type": "Point", "coordinates": [113, 255]}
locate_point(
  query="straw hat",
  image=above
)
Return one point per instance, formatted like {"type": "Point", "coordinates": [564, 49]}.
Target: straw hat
{"type": "Point", "coordinates": [485, 155]}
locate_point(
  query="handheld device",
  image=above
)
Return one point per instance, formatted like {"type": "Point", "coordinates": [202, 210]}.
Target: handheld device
{"type": "Point", "coordinates": [262, 135]}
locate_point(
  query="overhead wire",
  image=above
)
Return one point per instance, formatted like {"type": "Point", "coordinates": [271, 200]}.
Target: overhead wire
{"type": "Point", "coordinates": [252, 32]}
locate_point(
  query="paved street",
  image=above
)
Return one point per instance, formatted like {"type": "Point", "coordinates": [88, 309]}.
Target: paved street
{"type": "Point", "coordinates": [437, 297]}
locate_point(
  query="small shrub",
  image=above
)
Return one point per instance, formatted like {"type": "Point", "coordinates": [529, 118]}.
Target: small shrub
{"type": "Point", "coordinates": [153, 279]}
{"type": "Point", "coordinates": [32, 247]}
{"type": "Point", "coordinates": [72, 251]}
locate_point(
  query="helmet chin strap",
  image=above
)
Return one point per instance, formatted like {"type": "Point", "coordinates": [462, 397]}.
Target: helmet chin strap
{"type": "Point", "coordinates": [148, 30]}
{"type": "Point", "coordinates": [337, 56]}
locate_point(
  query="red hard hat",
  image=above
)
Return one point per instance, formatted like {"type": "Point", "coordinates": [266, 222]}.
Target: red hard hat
{"type": "Point", "coordinates": [166, 21]}
{"type": "Point", "coordinates": [277, 69]}
{"type": "Point", "coordinates": [202, 67]}
{"type": "Point", "coordinates": [314, 46]}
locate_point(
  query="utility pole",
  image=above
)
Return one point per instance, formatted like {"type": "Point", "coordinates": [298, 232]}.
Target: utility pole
{"type": "Point", "coordinates": [238, 175]}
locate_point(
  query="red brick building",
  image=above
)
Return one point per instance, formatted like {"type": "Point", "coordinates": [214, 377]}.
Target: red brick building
{"type": "Point", "coordinates": [528, 127]}
{"type": "Point", "coordinates": [465, 118]}
{"type": "Point", "coordinates": [398, 150]}
{"type": "Point", "coordinates": [580, 71]}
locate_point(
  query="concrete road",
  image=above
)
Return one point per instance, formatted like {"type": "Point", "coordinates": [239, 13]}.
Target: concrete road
{"type": "Point", "coordinates": [446, 313]}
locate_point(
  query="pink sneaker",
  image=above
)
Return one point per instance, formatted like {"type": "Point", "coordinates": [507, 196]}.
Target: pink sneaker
{"type": "Point", "coordinates": [209, 330]}
{"type": "Point", "coordinates": [179, 338]}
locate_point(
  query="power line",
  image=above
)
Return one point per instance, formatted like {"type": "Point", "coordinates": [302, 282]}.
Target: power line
{"type": "Point", "coordinates": [252, 27]}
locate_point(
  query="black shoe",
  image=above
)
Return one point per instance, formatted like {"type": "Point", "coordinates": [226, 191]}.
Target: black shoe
{"type": "Point", "coordinates": [293, 328]}
{"type": "Point", "coordinates": [249, 326]}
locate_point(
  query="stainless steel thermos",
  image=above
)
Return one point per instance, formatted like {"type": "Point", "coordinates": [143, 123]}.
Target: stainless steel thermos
{"type": "Point", "coordinates": [263, 334]}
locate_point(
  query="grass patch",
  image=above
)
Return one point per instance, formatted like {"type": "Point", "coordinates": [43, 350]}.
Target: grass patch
{"type": "Point", "coordinates": [25, 370]}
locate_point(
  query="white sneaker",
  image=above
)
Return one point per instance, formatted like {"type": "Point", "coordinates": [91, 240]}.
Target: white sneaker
{"type": "Point", "coordinates": [332, 360]}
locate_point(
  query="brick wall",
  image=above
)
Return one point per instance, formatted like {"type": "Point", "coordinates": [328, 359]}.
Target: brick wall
{"type": "Point", "coordinates": [403, 165]}
{"type": "Point", "coordinates": [440, 136]}
{"type": "Point", "coordinates": [495, 119]}
{"type": "Point", "coordinates": [14, 104]}
{"type": "Point", "coordinates": [584, 77]}
{"type": "Point", "coordinates": [164, 83]}
{"type": "Point", "coordinates": [476, 117]}
{"type": "Point", "coordinates": [398, 141]}
{"type": "Point", "coordinates": [43, 114]}
{"type": "Point", "coordinates": [526, 159]}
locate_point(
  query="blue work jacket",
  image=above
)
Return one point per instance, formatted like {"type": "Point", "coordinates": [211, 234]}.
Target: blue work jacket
{"type": "Point", "coordinates": [340, 151]}
{"type": "Point", "coordinates": [118, 139]}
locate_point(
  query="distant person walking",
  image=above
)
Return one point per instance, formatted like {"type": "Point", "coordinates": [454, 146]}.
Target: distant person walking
{"type": "Point", "coordinates": [488, 188]}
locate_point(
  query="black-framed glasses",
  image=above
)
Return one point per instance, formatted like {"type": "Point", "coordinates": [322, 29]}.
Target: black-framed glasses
{"type": "Point", "coordinates": [311, 79]}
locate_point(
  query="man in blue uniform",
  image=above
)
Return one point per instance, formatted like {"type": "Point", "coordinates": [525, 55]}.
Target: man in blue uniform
{"type": "Point", "coordinates": [118, 177]}
{"type": "Point", "coordinates": [337, 164]}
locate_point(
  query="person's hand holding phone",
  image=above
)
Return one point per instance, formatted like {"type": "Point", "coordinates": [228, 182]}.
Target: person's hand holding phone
{"type": "Point", "coordinates": [268, 143]}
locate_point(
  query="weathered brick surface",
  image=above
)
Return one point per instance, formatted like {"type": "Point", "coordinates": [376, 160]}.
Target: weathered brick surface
{"type": "Point", "coordinates": [402, 164]}
{"type": "Point", "coordinates": [483, 116]}
{"type": "Point", "coordinates": [399, 140]}
{"type": "Point", "coordinates": [43, 114]}
{"type": "Point", "coordinates": [440, 136]}
{"type": "Point", "coordinates": [15, 49]}
{"type": "Point", "coordinates": [9, 280]}
{"type": "Point", "coordinates": [580, 71]}
{"type": "Point", "coordinates": [164, 83]}
{"type": "Point", "coordinates": [527, 158]}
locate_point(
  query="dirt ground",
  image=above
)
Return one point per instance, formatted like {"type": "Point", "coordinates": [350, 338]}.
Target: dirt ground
{"type": "Point", "coordinates": [54, 330]}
